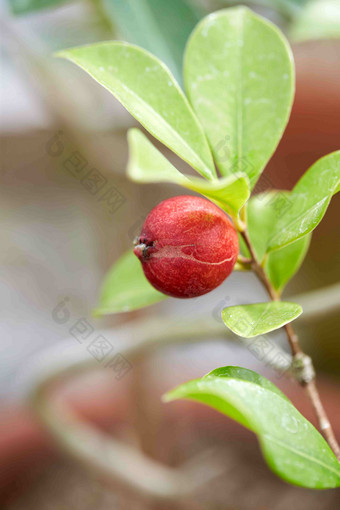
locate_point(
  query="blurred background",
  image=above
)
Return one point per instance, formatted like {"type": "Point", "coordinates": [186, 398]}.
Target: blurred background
{"type": "Point", "coordinates": [58, 239]}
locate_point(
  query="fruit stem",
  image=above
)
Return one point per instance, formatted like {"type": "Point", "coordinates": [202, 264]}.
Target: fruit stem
{"type": "Point", "coordinates": [244, 261]}
{"type": "Point", "coordinates": [306, 377]}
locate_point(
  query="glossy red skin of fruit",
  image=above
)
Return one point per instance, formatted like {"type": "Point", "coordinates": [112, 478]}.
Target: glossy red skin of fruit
{"type": "Point", "coordinates": [187, 247]}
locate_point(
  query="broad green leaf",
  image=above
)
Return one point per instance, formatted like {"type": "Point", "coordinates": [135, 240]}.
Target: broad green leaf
{"type": "Point", "coordinates": [147, 164]}
{"type": "Point", "coordinates": [291, 446]}
{"type": "Point", "coordinates": [281, 265]}
{"type": "Point", "coordinates": [246, 375]}
{"type": "Point", "coordinates": [125, 288]}
{"type": "Point", "coordinates": [239, 74]}
{"type": "Point", "coordinates": [308, 202]}
{"type": "Point", "coordinates": [263, 212]}
{"type": "Point", "coordinates": [147, 89]}
{"type": "Point", "coordinates": [257, 319]}
{"type": "Point", "coordinates": [160, 27]}
{"type": "Point", "coordinates": [320, 19]}
{"type": "Point", "coordinates": [27, 6]}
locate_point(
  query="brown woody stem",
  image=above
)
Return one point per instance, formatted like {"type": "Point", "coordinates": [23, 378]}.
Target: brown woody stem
{"type": "Point", "coordinates": [302, 367]}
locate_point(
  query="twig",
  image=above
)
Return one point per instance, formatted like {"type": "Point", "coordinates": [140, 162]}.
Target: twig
{"type": "Point", "coordinates": [303, 370]}
{"type": "Point", "coordinates": [106, 455]}
{"type": "Point", "coordinates": [324, 424]}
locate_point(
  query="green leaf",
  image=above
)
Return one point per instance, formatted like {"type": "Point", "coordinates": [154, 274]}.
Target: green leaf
{"type": "Point", "coordinates": [257, 319]}
{"type": "Point", "coordinates": [291, 446]}
{"type": "Point", "coordinates": [318, 20]}
{"type": "Point", "coordinates": [125, 288]}
{"type": "Point", "coordinates": [27, 6]}
{"type": "Point", "coordinates": [246, 375]}
{"type": "Point", "coordinates": [238, 71]}
{"type": "Point", "coordinates": [147, 164]}
{"type": "Point", "coordinates": [308, 202]}
{"type": "Point", "coordinates": [262, 216]}
{"type": "Point", "coordinates": [147, 89]}
{"type": "Point", "coordinates": [281, 265]}
{"type": "Point", "coordinates": [263, 211]}
{"type": "Point", "coordinates": [160, 27]}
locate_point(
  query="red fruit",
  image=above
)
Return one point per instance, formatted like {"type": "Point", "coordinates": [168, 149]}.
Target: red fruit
{"type": "Point", "coordinates": [187, 247]}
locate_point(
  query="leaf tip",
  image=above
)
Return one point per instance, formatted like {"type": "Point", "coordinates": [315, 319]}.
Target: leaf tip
{"type": "Point", "coordinates": [168, 397]}
{"type": "Point", "coordinates": [61, 54]}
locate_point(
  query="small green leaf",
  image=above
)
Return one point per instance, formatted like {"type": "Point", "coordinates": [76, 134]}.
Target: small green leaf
{"type": "Point", "coordinates": [147, 164]}
{"type": "Point", "coordinates": [257, 319]}
{"type": "Point", "coordinates": [281, 265]}
{"type": "Point", "coordinates": [263, 211]}
{"type": "Point", "coordinates": [160, 27]}
{"type": "Point", "coordinates": [238, 71]}
{"type": "Point", "coordinates": [147, 89]}
{"type": "Point", "coordinates": [262, 216]}
{"type": "Point", "coordinates": [308, 202]}
{"type": "Point", "coordinates": [292, 447]}
{"type": "Point", "coordinates": [229, 193]}
{"type": "Point", "coordinates": [125, 288]}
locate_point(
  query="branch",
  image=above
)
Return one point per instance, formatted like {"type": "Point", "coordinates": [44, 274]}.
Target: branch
{"type": "Point", "coordinates": [145, 336]}
{"type": "Point", "coordinates": [302, 366]}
